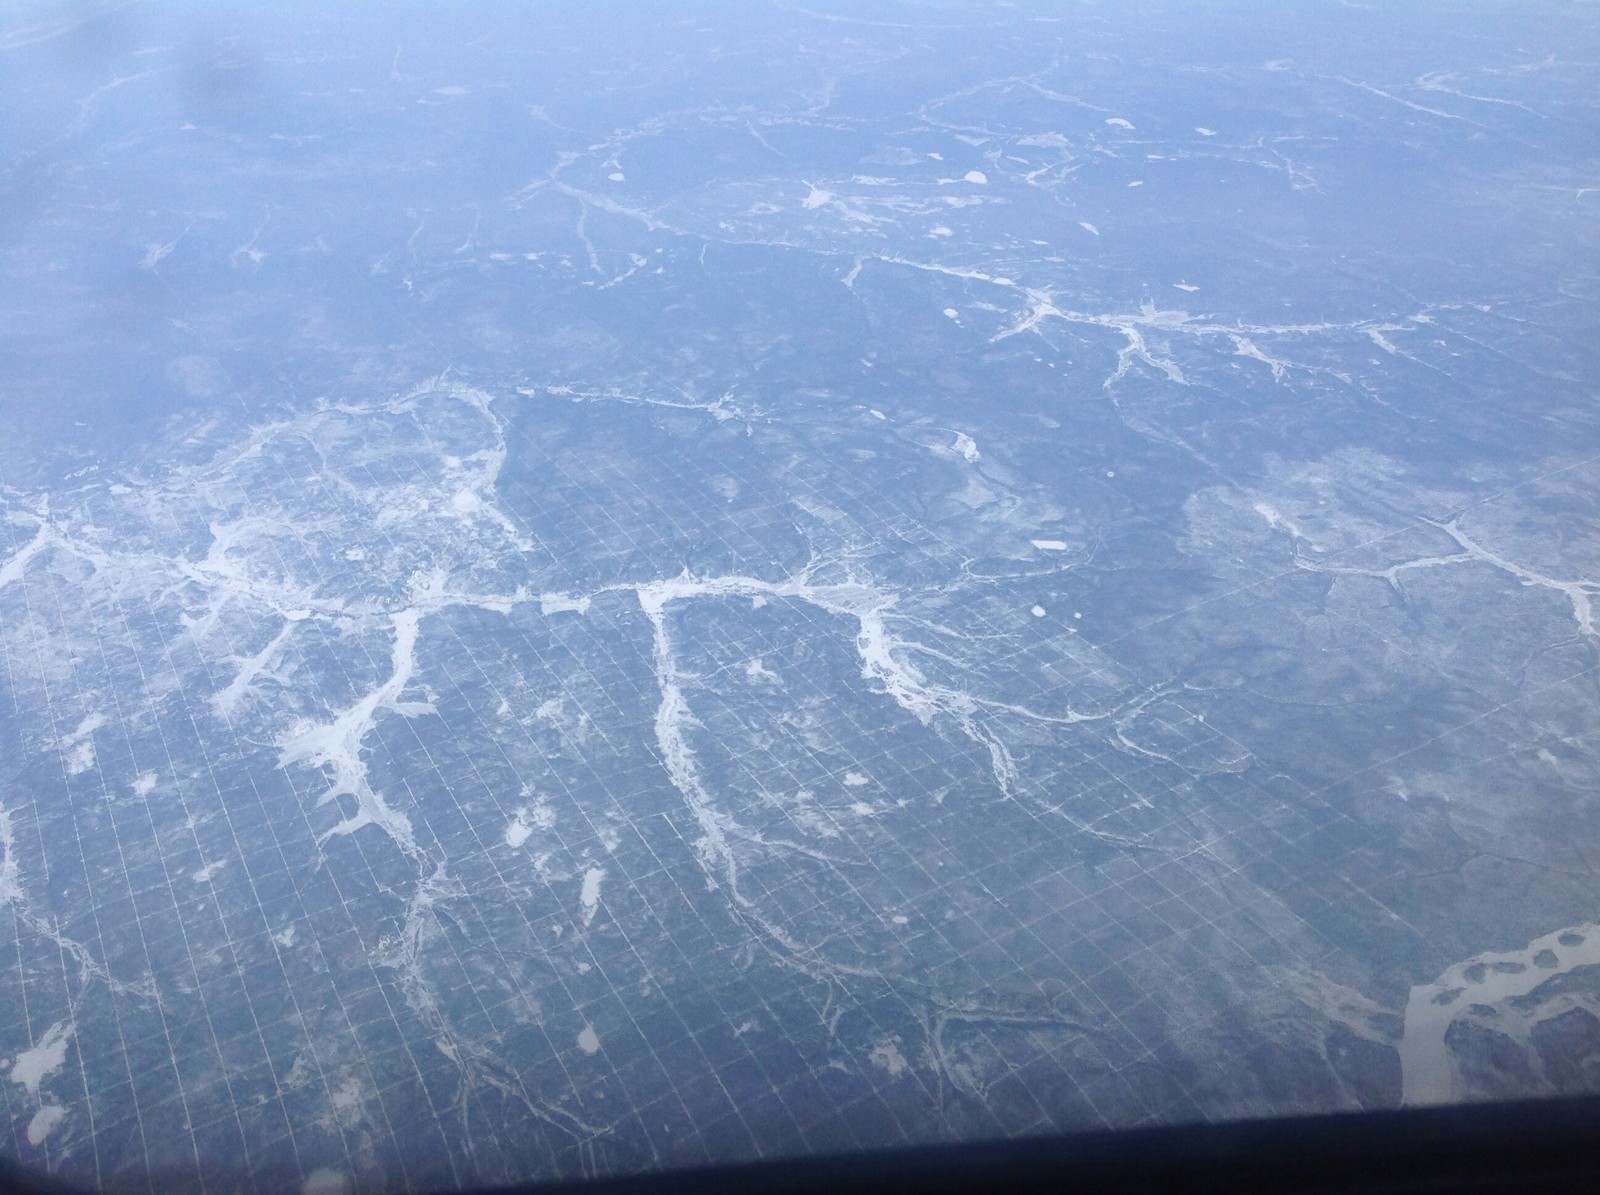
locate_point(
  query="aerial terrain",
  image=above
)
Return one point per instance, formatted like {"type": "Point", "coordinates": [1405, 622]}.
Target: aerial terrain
{"type": "Point", "coordinates": [588, 588]}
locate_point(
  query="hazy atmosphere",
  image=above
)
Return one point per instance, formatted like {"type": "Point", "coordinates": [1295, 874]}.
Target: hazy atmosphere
{"type": "Point", "coordinates": [597, 587]}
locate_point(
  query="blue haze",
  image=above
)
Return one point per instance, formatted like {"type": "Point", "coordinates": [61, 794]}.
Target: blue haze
{"type": "Point", "coordinates": [587, 588]}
